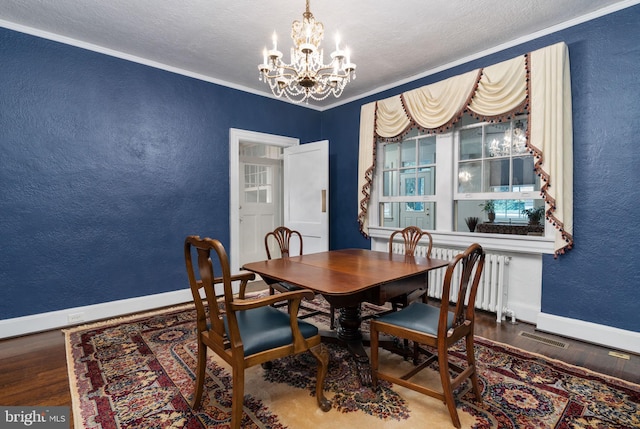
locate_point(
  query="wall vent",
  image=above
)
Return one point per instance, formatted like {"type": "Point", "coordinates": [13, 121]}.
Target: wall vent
{"type": "Point", "coordinates": [544, 340]}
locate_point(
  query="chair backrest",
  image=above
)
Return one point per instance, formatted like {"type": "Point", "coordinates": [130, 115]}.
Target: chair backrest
{"type": "Point", "coordinates": [411, 236]}
{"type": "Point", "coordinates": [472, 264]}
{"type": "Point", "coordinates": [203, 279]}
{"type": "Point", "coordinates": [282, 236]}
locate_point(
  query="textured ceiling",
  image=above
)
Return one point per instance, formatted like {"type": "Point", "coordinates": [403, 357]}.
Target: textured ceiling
{"type": "Point", "coordinates": [222, 41]}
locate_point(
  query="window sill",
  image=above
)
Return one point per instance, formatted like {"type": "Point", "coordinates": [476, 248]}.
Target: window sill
{"type": "Point", "coordinates": [500, 242]}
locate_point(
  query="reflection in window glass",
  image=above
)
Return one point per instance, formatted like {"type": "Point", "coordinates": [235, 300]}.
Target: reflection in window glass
{"type": "Point", "coordinates": [403, 214]}
{"type": "Point", "coordinates": [408, 181]}
{"type": "Point", "coordinates": [412, 181]}
{"type": "Point", "coordinates": [495, 166]}
{"type": "Point", "coordinates": [408, 185]}
{"type": "Point", "coordinates": [494, 158]}
{"type": "Point", "coordinates": [468, 174]}
{"type": "Point", "coordinates": [507, 211]}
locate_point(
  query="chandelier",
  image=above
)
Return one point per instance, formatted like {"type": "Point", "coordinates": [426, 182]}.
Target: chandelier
{"type": "Point", "coordinates": [513, 142]}
{"type": "Point", "coordinates": [306, 76]}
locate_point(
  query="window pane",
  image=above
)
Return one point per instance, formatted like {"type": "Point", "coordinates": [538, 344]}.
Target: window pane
{"type": "Point", "coordinates": [391, 156]}
{"type": "Point", "coordinates": [519, 137]}
{"type": "Point", "coordinates": [497, 175]}
{"type": "Point", "coordinates": [497, 140]}
{"type": "Point", "coordinates": [403, 214]}
{"type": "Point", "coordinates": [257, 183]}
{"type": "Point", "coordinates": [471, 144]}
{"type": "Point", "coordinates": [390, 183]}
{"type": "Point", "coordinates": [470, 177]}
{"type": "Point", "coordinates": [507, 212]}
{"type": "Point", "coordinates": [408, 182]}
{"type": "Point", "coordinates": [524, 178]}
{"type": "Point", "coordinates": [427, 181]}
{"type": "Point", "coordinates": [427, 150]}
{"type": "Point", "coordinates": [408, 153]}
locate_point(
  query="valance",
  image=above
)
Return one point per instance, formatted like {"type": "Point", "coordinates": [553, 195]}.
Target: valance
{"type": "Point", "coordinates": [541, 88]}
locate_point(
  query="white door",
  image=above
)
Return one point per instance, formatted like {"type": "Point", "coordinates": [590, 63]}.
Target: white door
{"type": "Point", "coordinates": [260, 208]}
{"type": "Point", "coordinates": [306, 193]}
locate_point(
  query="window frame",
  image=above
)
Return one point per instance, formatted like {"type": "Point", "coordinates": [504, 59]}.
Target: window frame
{"type": "Point", "coordinates": [480, 197]}
{"type": "Point", "coordinates": [407, 199]}
{"type": "Point", "coordinates": [446, 188]}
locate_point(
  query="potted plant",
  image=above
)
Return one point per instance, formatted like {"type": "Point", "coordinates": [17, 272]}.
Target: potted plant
{"type": "Point", "coordinates": [472, 221]}
{"type": "Point", "coordinates": [490, 208]}
{"type": "Point", "coordinates": [535, 215]}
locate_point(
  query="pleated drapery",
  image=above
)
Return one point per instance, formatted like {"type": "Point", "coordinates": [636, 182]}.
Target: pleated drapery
{"type": "Point", "coordinates": [538, 83]}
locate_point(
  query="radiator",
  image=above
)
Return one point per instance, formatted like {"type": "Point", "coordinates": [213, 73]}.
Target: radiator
{"type": "Point", "coordinates": [492, 291]}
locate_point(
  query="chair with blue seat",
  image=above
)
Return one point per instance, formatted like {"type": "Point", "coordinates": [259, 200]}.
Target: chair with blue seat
{"type": "Point", "coordinates": [280, 240]}
{"type": "Point", "coordinates": [244, 331]}
{"type": "Point", "coordinates": [438, 328]}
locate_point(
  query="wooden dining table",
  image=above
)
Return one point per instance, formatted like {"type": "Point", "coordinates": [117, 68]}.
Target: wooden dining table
{"type": "Point", "coordinates": [347, 278]}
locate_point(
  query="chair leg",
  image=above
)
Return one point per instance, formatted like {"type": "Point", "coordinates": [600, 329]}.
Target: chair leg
{"type": "Point", "coordinates": [373, 343]}
{"type": "Point", "coordinates": [449, 400]}
{"type": "Point", "coordinates": [237, 399]}
{"type": "Point", "coordinates": [471, 361]}
{"type": "Point", "coordinates": [201, 366]}
{"type": "Point", "coordinates": [416, 352]}
{"type": "Point", "coordinates": [322, 356]}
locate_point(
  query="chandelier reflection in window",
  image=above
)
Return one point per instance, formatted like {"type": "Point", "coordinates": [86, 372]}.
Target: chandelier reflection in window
{"type": "Point", "coordinates": [306, 76]}
{"type": "Point", "coordinates": [513, 142]}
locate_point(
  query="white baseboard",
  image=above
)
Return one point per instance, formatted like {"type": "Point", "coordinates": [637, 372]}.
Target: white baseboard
{"type": "Point", "coordinates": [591, 332]}
{"type": "Point", "coordinates": [80, 315]}
{"type": "Point", "coordinates": [523, 312]}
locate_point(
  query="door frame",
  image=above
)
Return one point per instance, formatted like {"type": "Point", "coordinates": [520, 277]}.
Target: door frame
{"type": "Point", "coordinates": [235, 137]}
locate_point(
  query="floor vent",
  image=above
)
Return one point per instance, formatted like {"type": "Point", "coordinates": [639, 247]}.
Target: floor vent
{"type": "Point", "coordinates": [544, 340]}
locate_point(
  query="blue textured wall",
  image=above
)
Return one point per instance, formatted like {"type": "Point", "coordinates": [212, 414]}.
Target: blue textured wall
{"type": "Point", "coordinates": [599, 280]}
{"type": "Point", "coordinates": [100, 156]}
{"type": "Point", "coordinates": [106, 166]}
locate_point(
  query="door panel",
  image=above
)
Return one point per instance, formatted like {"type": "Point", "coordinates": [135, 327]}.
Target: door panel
{"type": "Point", "coordinates": [259, 207]}
{"type": "Point", "coordinates": [306, 193]}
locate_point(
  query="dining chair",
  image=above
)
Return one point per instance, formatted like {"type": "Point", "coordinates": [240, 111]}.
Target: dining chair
{"type": "Point", "coordinates": [411, 236]}
{"type": "Point", "coordinates": [438, 328]}
{"type": "Point", "coordinates": [282, 237]}
{"type": "Point", "coordinates": [244, 331]}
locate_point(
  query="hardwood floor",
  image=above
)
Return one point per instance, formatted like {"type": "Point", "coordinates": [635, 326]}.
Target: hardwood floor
{"type": "Point", "coordinates": [33, 368]}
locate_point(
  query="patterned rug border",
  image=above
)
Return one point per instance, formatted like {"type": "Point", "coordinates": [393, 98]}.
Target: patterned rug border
{"type": "Point", "coordinates": [127, 318]}
{"type": "Point", "coordinates": [577, 368]}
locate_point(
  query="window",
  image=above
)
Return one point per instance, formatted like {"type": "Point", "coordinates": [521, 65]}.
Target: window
{"type": "Point", "coordinates": [408, 182]}
{"type": "Point", "coordinates": [494, 173]}
{"type": "Point", "coordinates": [258, 185]}
{"type": "Point", "coordinates": [481, 167]}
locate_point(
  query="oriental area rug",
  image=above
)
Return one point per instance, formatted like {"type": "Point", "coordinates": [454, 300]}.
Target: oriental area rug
{"type": "Point", "coordinates": [138, 373]}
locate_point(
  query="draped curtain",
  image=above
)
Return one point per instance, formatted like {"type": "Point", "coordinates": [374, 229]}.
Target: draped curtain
{"type": "Point", "coordinates": [537, 83]}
